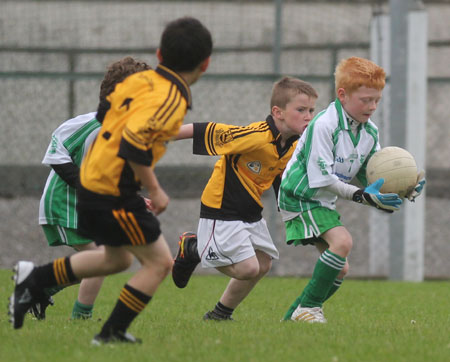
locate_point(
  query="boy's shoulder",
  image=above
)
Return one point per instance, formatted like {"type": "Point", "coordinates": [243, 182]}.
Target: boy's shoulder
{"type": "Point", "coordinates": [77, 122]}
{"type": "Point", "coordinates": [258, 124]}
{"type": "Point", "coordinates": [328, 117]}
{"type": "Point", "coordinates": [136, 80]}
{"type": "Point", "coordinates": [158, 81]}
{"type": "Point", "coordinates": [255, 128]}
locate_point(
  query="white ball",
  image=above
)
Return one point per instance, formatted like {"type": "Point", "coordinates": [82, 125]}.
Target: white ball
{"type": "Point", "coordinates": [397, 167]}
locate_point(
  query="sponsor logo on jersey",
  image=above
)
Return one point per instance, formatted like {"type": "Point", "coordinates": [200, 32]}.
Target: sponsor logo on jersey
{"type": "Point", "coordinates": [53, 145]}
{"type": "Point", "coordinates": [322, 165]}
{"type": "Point", "coordinates": [126, 103]}
{"type": "Point", "coordinates": [148, 132]}
{"type": "Point", "coordinates": [353, 158]}
{"type": "Point", "coordinates": [224, 137]}
{"type": "Point", "coordinates": [343, 177]}
{"type": "Point", "coordinates": [254, 166]}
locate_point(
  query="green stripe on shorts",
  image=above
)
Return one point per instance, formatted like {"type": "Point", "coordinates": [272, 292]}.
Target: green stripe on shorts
{"type": "Point", "coordinates": [309, 225]}
{"type": "Point", "coordinates": [58, 235]}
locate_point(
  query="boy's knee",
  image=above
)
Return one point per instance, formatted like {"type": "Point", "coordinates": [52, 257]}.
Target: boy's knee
{"type": "Point", "coordinates": [344, 245]}
{"type": "Point", "coordinates": [251, 271]}
{"type": "Point", "coordinates": [163, 266]}
{"type": "Point", "coordinates": [126, 261]}
{"type": "Point", "coordinates": [118, 266]}
{"type": "Point", "coordinates": [264, 267]}
{"type": "Point", "coordinates": [168, 265]}
{"type": "Point", "coordinates": [120, 262]}
{"type": "Point", "coordinates": [344, 271]}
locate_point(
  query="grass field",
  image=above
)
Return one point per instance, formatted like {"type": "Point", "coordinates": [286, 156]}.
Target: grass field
{"type": "Point", "coordinates": [367, 321]}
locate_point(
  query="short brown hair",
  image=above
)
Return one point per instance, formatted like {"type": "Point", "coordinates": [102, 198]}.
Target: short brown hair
{"type": "Point", "coordinates": [116, 73]}
{"type": "Point", "coordinates": [354, 72]}
{"type": "Point", "coordinates": [287, 88]}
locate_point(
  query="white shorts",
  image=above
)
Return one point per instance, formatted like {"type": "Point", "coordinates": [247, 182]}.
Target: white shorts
{"type": "Point", "coordinates": [222, 243]}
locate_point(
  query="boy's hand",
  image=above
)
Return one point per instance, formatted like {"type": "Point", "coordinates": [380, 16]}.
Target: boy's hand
{"type": "Point", "coordinates": [417, 190]}
{"type": "Point", "coordinates": [148, 204]}
{"type": "Point", "coordinates": [158, 197]}
{"type": "Point", "coordinates": [159, 201]}
{"type": "Point", "coordinates": [371, 196]}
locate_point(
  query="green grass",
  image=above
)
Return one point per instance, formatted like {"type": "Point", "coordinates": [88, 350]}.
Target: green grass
{"type": "Point", "coordinates": [367, 321]}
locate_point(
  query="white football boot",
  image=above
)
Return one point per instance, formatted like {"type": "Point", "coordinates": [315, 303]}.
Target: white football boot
{"type": "Point", "coordinates": [310, 315]}
{"type": "Point", "coordinates": [22, 298]}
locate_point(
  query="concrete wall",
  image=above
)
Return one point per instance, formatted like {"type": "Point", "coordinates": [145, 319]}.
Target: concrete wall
{"type": "Point", "coordinates": [53, 54]}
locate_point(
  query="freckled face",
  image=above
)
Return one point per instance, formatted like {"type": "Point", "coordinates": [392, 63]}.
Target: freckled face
{"type": "Point", "coordinates": [360, 104]}
{"type": "Point", "coordinates": [298, 113]}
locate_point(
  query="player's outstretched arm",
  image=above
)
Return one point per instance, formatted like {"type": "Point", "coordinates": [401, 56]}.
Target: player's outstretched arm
{"type": "Point", "coordinates": [371, 196]}
{"type": "Point", "coordinates": [186, 131]}
{"type": "Point", "coordinates": [417, 190]}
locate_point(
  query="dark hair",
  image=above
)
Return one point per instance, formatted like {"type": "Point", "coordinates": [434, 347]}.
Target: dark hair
{"type": "Point", "coordinates": [116, 73]}
{"type": "Point", "coordinates": [185, 43]}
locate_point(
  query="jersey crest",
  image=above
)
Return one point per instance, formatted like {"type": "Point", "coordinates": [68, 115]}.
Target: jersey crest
{"type": "Point", "coordinates": [254, 166]}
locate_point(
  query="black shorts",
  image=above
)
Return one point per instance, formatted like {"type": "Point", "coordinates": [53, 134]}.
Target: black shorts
{"type": "Point", "coordinates": [118, 226]}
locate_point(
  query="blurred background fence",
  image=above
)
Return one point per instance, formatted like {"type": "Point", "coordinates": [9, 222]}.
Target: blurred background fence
{"type": "Point", "coordinates": [53, 55]}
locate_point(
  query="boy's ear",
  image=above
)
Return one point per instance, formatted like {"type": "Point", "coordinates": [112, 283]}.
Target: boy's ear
{"type": "Point", "coordinates": [341, 94]}
{"type": "Point", "coordinates": [159, 55]}
{"type": "Point", "coordinates": [277, 112]}
{"type": "Point", "coordinates": [205, 64]}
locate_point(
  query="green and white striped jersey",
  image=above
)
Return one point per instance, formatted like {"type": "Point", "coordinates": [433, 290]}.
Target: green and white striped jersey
{"type": "Point", "coordinates": [327, 151]}
{"type": "Point", "coordinates": [69, 143]}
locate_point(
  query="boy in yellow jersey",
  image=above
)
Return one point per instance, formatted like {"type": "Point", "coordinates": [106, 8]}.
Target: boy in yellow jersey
{"type": "Point", "coordinates": [144, 112]}
{"type": "Point", "coordinates": [57, 211]}
{"type": "Point", "coordinates": [232, 235]}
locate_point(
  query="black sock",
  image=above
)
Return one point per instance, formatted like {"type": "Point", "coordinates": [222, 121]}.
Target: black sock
{"type": "Point", "coordinates": [57, 273]}
{"type": "Point", "coordinates": [130, 303]}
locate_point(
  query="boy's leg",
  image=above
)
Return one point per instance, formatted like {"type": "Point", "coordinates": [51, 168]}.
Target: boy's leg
{"type": "Point", "coordinates": [156, 262]}
{"type": "Point", "coordinates": [88, 291]}
{"type": "Point", "coordinates": [321, 247]}
{"type": "Point", "coordinates": [334, 288]}
{"type": "Point", "coordinates": [325, 272]}
{"type": "Point", "coordinates": [58, 235]}
{"type": "Point", "coordinates": [238, 289]}
{"type": "Point", "coordinates": [243, 251]}
{"type": "Point", "coordinates": [30, 281]}
{"type": "Point", "coordinates": [287, 316]}
{"type": "Point", "coordinates": [330, 264]}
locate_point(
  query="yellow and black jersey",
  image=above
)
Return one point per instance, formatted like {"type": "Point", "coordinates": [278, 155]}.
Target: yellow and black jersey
{"type": "Point", "coordinates": [252, 158]}
{"type": "Point", "coordinates": [146, 110]}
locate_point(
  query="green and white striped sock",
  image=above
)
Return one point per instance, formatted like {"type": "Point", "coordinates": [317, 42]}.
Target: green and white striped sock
{"type": "Point", "coordinates": [336, 285]}
{"type": "Point", "coordinates": [325, 273]}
